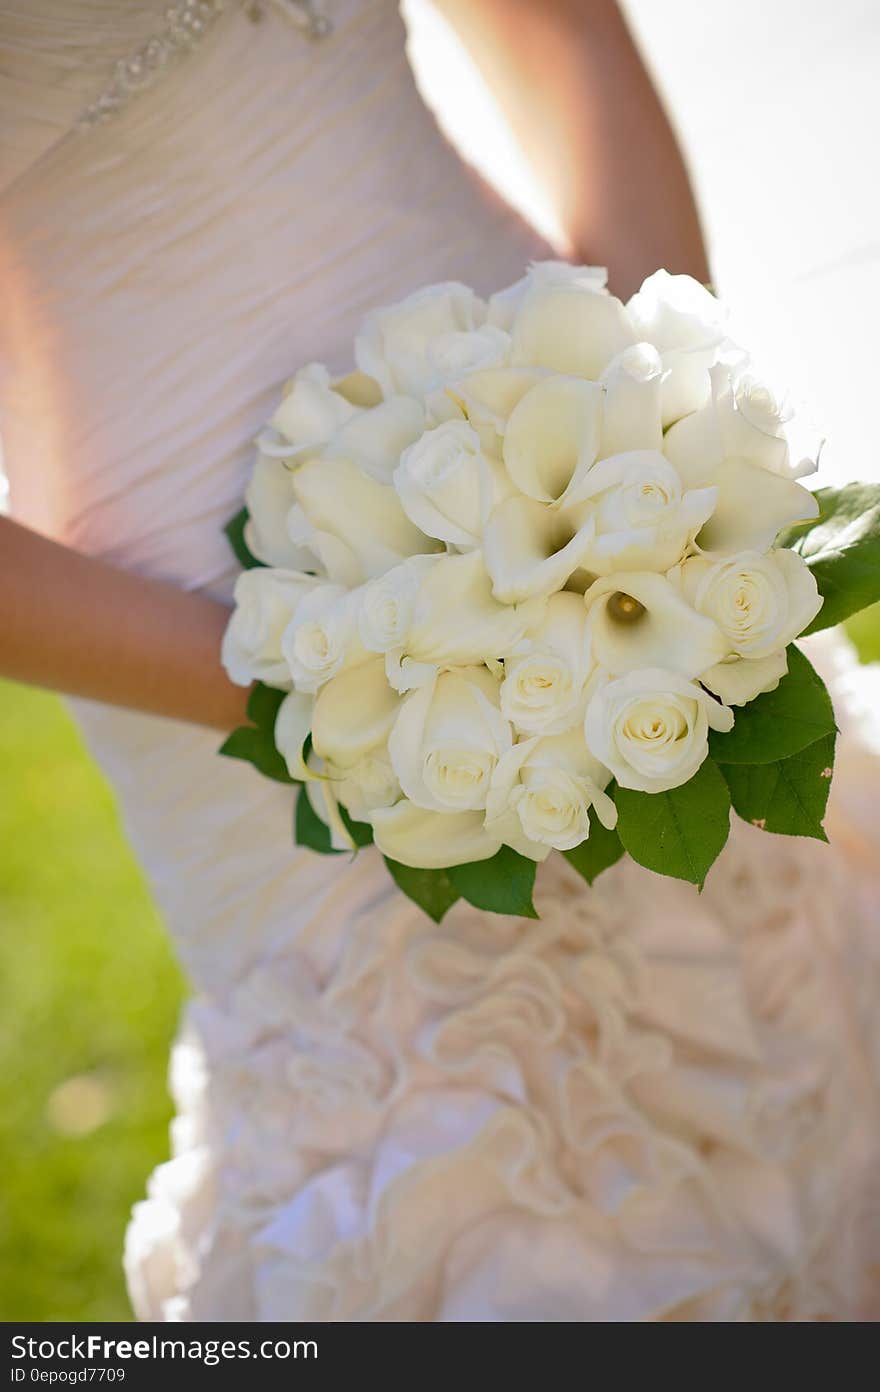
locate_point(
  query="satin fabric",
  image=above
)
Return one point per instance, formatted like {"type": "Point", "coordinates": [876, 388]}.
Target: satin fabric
{"type": "Point", "coordinates": [648, 1105]}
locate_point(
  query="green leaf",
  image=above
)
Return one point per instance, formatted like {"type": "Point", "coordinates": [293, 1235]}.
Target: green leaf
{"type": "Point", "coordinates": [787, 797]}
{"type": "Point", "coordinates": [680, 832]}
{"type": "Point", "coordinates": [361, 833]}
{"type": "Point", "coordinates": [263, 705]}
{"type": "Point", "coordinates": [779, 723]}
{"type": "Point", "coordinates": [503, 884]}
{"type": "Point", "coordinates": [257, 747]}
{"type": "Point", "coordinates": [601, 849]}
{"type": "Point", "coordinates": [842, 549]}
{"type": "Point", "coordinates": [234, 530]}
{"type": "Point", "coordinates": [432, 890]}
{"type": "Point", "coordinates": [309, 830]}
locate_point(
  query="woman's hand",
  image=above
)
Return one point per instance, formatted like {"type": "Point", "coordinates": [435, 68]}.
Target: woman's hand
{"type": "Point", "coordinates": [579, 102]}
{"type": "Point", "coordinates": [77, 625]}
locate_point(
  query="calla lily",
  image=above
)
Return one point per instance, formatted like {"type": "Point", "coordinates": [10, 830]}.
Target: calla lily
{"type": "Point", "coordinates": [552, 438]}
{"type": "Point", "coordinates": [355, 525]}
{"type": "Point", "coordinates": [429, 840]}
{"type": "Point", "coordinates": [753, 506]}
{"type": "Point", "coordinates": [639, 620]}
{"type": "Point", "coordinates": [321, 794]}
{"type": "Point", "coordinates": [643, 519]}
{"type": "Point", "coordinates": [269, 498]}
{"type": "Point", "coordinates": [292, 725]}
{"type": "Point", "coordinates": [574, 328]}
{"type": "Point", "coordinates": [489, 396]}
{"type": "Point", "coordinates": [532, 550]}
{"type": "Point", "coordinates": [456, 619]}
{"type": "Point", "coordinates": [353, 713]}
{"type": "Point", "coordinates": [375, 439]}
{"type": "Point", "coordinates": [631, 418]}
{"type": "Point", "coordinates": [358, 388]}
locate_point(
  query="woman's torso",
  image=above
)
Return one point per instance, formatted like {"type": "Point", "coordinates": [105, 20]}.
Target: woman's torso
{"type": "Point", "coordinates": [639, 1106]}
{"type": "Point", "coordinates": [162, 274]}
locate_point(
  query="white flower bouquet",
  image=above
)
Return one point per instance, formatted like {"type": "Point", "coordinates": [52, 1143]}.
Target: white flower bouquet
{"type": "Point", "coordinates": [529, 579]}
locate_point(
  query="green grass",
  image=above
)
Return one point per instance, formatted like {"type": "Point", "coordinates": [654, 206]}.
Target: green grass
{"type": "Point", "coordinates": [89, 992]}
{"type": "Point", "coordinates": [864, 630]}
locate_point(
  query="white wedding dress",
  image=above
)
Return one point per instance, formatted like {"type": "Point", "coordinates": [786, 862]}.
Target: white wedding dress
{"type": "Point", "coordinates": [650, 1104]}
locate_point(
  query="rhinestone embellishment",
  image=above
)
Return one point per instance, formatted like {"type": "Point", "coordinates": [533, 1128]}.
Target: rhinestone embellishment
{"type": "Point", "coordinates": [186, 22]}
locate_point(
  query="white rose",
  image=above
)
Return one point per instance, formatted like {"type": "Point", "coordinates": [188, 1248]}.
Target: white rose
{"type": "Point", "coordinates": [638, 619]}
{"type": "Point", "coordinates": [447, 740]}
{"type": "Point", "coordinates": [355, 525]}
{"type": "Point", "coordinates": [269, 497]}
{"type": "Point", "coordinates": [504, 304]}
{"type": "Point", "coordinates": [265, 602]}
{"type": "Point", "coordinates": [721, 446]}
{"type": "Point", "coordinates": [457, 352]}
{"type": "Point", "coordinates": [544, 683]}
{"type": "Point", "coordinates": [541, 794]}
{"type": "Point", "coordinates": [744, 419]}
{"type": "Point", "coordinates": [569, 324]}
{"type": "Point", "coordinates": [447, 486]}
{"type": "Point", "coordinates": [387, 604]}
{"type": "Point", "coordinates": [686, 324]}
{"type": "Point", "coordinates": [367, 785]}
{"type": "Point", "coordinates": [429, 840]}
{"type": "Point", "coordinates": [310, 412]}
{"type": "Point", "coordinates": [651, 728]}
{"type": "Point", "coordinates": [631, 417]}
{"type": "Point", "coordinates": [761, 604]}
{"type": "Point", "coordinates": [393, 345]}
{"type": "Point", "coordinates": [456, 621]}
{"type": "Point", "coordinates": [322, 637]}
{"type": "Point", "coordinates": [644, 520]}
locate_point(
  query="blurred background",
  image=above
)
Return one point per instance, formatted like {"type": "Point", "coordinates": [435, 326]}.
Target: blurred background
{"type": "Point", "coordinates": [777, 107]}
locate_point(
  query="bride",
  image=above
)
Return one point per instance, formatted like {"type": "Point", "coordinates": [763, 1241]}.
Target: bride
{"type": "Point", "coordinates": [650, 1104]}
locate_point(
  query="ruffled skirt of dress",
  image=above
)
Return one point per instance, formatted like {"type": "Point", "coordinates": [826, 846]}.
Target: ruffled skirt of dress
{"type": "Point", "coordinates": [650, 1104]}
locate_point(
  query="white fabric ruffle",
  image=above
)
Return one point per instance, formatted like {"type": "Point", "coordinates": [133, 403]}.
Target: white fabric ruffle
{"type": "Point", "coordinates": [650, 1104]}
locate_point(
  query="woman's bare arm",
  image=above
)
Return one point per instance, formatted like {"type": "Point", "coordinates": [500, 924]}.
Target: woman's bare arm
{"type": "Point", "coordinates": [77, 625]}
{"type": "Point", "coordinates": [582, 107]}
{"type": "Point", "coordinates": [586, 115]}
